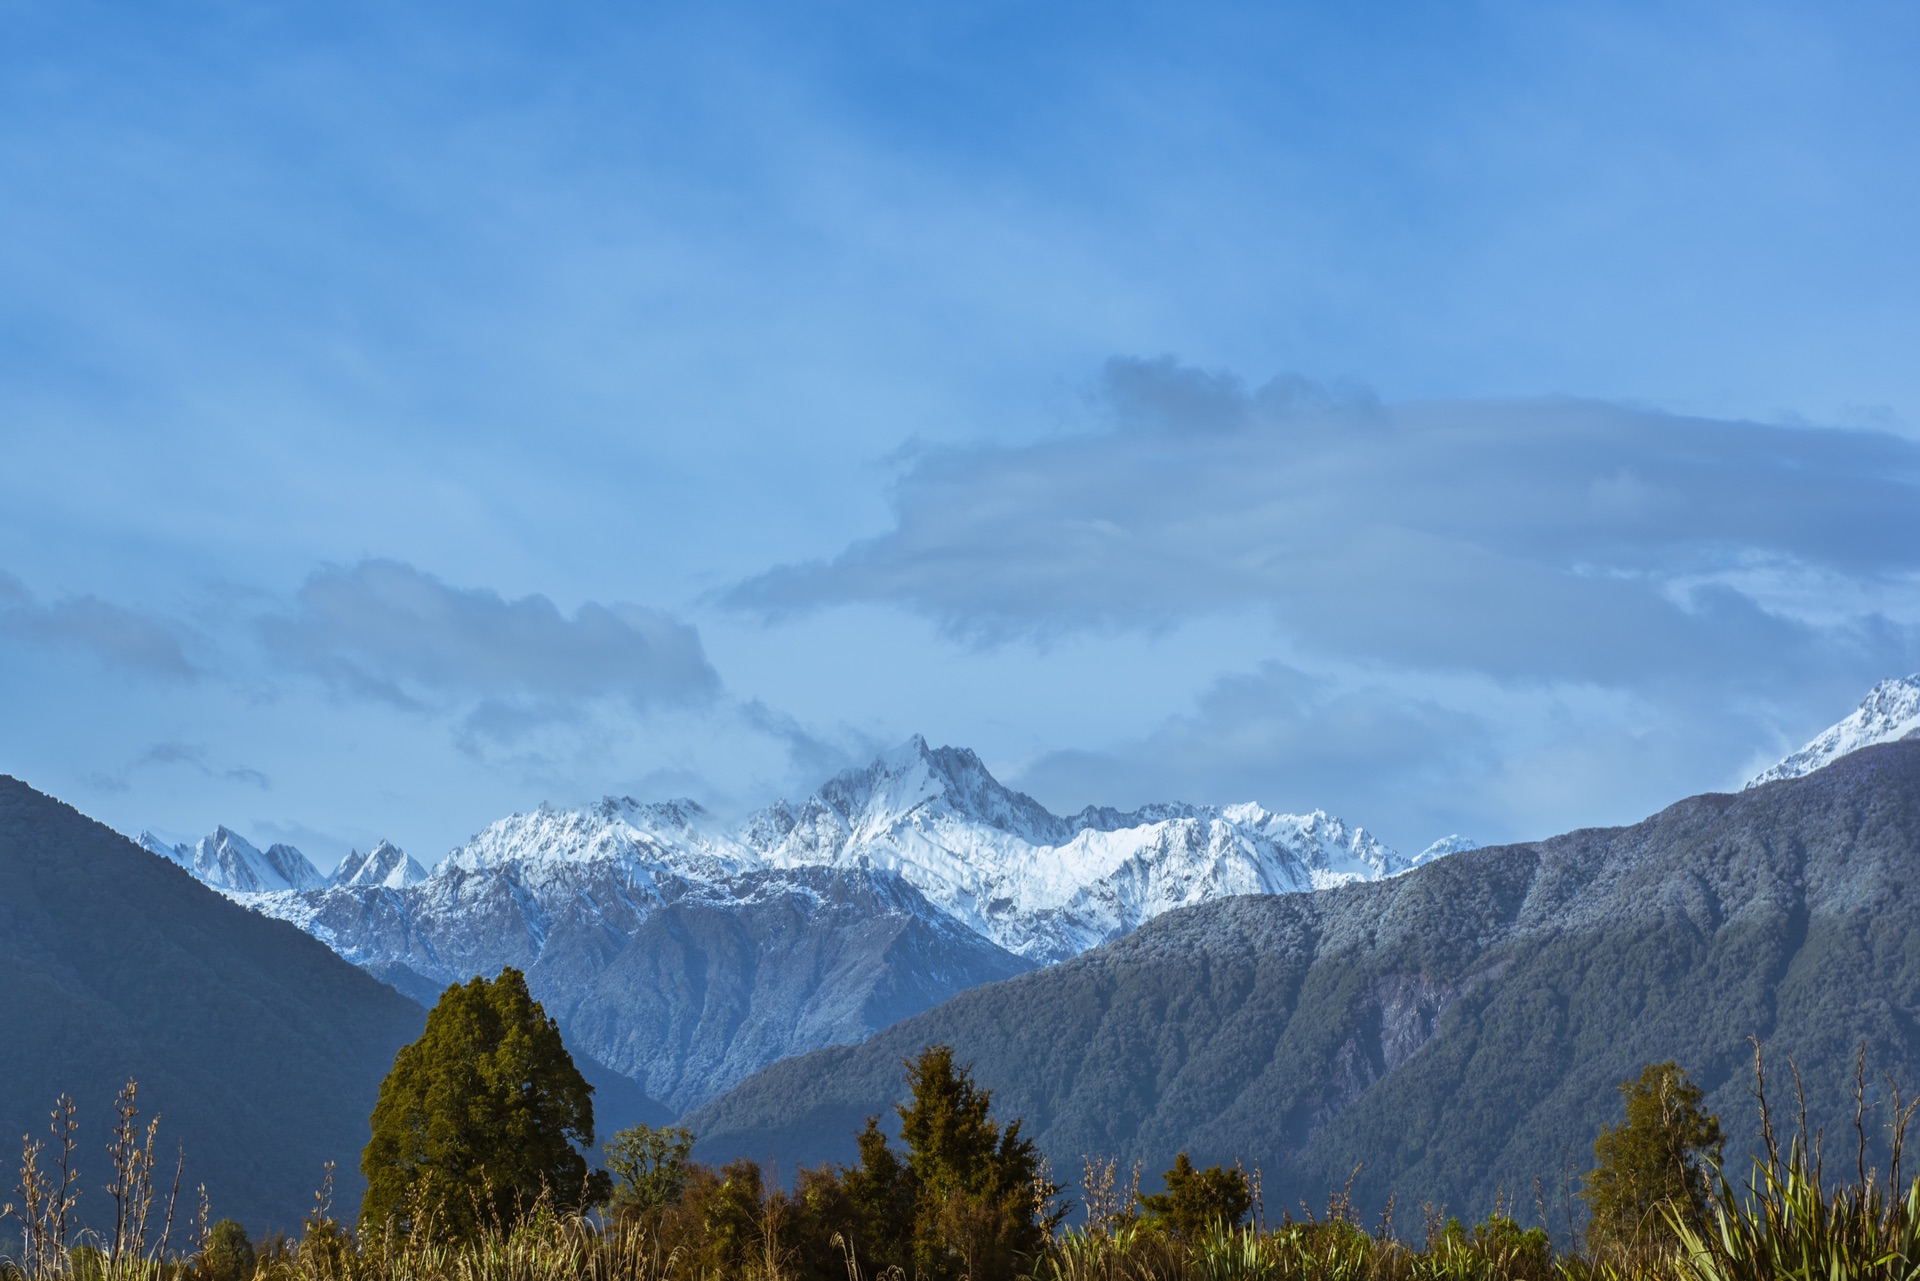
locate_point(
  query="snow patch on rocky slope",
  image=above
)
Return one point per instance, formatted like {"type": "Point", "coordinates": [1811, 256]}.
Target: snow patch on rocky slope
{"type": "Point", "coordinates": [1890, 712]}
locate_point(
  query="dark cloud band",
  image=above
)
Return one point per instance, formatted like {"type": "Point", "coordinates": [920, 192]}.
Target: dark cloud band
{"type": "Point", "coordinates": [118, 637]}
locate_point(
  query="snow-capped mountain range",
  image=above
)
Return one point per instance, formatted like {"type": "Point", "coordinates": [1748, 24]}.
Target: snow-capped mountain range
{"type": "Point", "coordinates": [688, 952]}
{"type": "Point", "coordinates": [1889, 712]}
{"type": "Point", "coordinates": [1043, 886]}
{"type": "Point", "coordinates": [1040, 885]}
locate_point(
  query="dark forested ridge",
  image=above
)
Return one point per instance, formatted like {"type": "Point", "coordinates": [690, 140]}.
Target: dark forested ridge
{"type": "Point", "coordinates": [263, 1050]}
{"type": "Point", "coordinates": [1459, 1029]}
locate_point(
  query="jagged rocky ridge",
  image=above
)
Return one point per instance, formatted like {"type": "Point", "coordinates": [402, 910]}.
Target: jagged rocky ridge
{"type": "Point", "coordinates": [688, 954]}
{"type": "Point", "coordinates": [230, 863]}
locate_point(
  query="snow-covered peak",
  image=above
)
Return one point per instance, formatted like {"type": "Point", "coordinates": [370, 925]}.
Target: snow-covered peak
{"type": "Point", "coordinates": [386, 864]}
{"type": "Point", "coordinates": [915, 782]}
{"type": "Point", "coordinates": [229, 862]}
{"type": "Point", "coordinates": [1333, 852]}
{"type": "Point", "coordinates": [1042, 885]}
{"type": "Point", "coordinates": [669, 838]}
{"type": "Point", "coordinates": [1890, 711]}
{"type": "Point", "coordinates": [1455, 844]}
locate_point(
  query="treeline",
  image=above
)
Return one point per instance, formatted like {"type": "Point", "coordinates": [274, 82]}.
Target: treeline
{"type": "Point", "coordinates": [475, 1171]}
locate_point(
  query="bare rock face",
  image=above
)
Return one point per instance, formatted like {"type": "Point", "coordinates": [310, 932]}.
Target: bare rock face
{"type": "Point", "coordinates": [1456, 1030]}
{"type": "Point", "coordinates": [711, 986]}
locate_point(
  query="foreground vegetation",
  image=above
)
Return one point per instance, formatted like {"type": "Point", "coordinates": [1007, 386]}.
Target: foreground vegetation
{"type": "Point", "coordinates": [1660, 1212]}
{"type": "Point", "coordinates": [474, 1174]}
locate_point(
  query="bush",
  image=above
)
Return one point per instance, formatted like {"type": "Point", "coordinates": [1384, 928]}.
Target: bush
{"type": "Point", "coordinates": [228, 1254]}
{"type": "Point", "coordinates": [649, 1167]}
{"type": "Point", "coordinates": [1654, 1166]}
{"type": "Point", "coordinates": [1198, 1201]}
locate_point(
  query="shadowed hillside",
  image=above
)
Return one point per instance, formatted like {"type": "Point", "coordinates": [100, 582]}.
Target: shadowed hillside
{"type": "Point", "coordinates": [1458, 1029]}
{"type": "Point", "coordinates": [262, 1049]}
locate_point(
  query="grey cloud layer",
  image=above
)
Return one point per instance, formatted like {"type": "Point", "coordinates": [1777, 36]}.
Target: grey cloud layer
{"type": "Point", "coordinates": [382, 631]}
{"type": "Point", "coordinates": [119, 637]}
{"type": "Point", "coordinates": [387, 631]}
{"type": "Point", "coordinates": [1546, 538]}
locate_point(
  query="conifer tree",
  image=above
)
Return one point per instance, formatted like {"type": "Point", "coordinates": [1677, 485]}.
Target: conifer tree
{"type": "Point", "coordinates": [980, 1193]}
{"type": "Point", "coordinates": [479, 1117]}
{"type": "Point", "coordinates": [880, 1198]}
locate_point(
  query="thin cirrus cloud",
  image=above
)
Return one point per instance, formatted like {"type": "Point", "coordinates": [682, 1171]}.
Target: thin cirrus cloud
{"type": "Point", "coordinates": [189, 756]}
{"type": "Point", "coordinates": [120, 638]}
{"type": "Point", "coordinates": [1548, 539]}
{"type": "Point", "coordinates": [384, 631]}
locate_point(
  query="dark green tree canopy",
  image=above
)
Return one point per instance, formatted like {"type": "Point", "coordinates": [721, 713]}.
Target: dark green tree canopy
{"type": "Point", "coordinates": [1196, 1200]}
{"type": "Point", "coordinates": [480, 1116]}
{"type": "Point", "coordinates": [981, 1196]}
{"type": "Point", "coordinates": [880, 1192]}
{"type": "Point", "coordinates": [1658, 1159]}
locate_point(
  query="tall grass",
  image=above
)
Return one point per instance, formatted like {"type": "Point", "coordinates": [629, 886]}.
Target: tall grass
{"type": "Point", "coordinates": [1788, 1219]}
{"type": "Point", "coordinates": [1796, 1234]}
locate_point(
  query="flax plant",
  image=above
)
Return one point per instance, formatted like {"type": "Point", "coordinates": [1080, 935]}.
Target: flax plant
{"type": "Point", "coordinates": [1788, 1224]}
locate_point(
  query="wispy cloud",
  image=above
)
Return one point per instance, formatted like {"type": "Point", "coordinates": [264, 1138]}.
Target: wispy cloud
{"type": "Point", "coordinates": [1416, 758]}
{"type": "Point", "coordinates": [190, 756]}
{"type": "Point", "coordinates": [385, 631]}
{"type": "Point", "coordinates": [812, 756]}
{"type": "Point", "coordinates": [1293, 740]}
{"type": "Point", "coordinates": [1538, 539]}
{"type": "Point", "coordinates": [121, 638]}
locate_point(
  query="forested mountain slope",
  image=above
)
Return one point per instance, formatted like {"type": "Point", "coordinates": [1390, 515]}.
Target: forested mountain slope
{"type": "Point", "coordinates": [262, 1049]}
{"type": "Point", "coordinates": [1453, 1031]}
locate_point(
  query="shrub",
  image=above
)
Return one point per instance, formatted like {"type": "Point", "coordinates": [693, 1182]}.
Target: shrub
{"type": "Point", "coordinates": [1653, 1166]}
{"type": "Point", "coordinates": [228, 1254]}
{"type": "Point", "coordinates": [649, 1167]}
{"type": "Point", "coordinates": [1198, 1201]}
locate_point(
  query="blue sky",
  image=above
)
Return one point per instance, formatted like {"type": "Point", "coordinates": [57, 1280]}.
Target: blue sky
{"type": "Point", "coordinates": [1481, 418]}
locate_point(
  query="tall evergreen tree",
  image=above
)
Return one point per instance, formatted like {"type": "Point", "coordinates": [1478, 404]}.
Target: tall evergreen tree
{"type": "Point", "coordinates": [981, 1196]}
{"type": "Point", "coordinates": [880, 1200]}
{"type": "Point", "coordinates": [480, 1116]}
